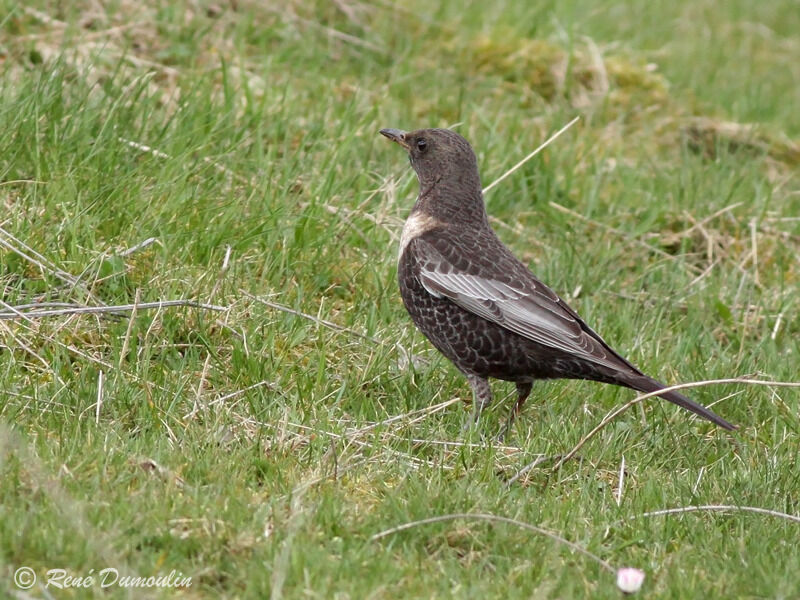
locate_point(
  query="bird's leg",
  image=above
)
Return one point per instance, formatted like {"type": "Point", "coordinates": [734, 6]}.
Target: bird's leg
{"type": "Point", "coordinates": [482, 397]}
{"type": "Point", "coordinates": [523, 391]}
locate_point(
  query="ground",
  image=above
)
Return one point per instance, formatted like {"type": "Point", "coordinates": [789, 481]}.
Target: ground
{"type": "Point", "coordinates": [261, 439]}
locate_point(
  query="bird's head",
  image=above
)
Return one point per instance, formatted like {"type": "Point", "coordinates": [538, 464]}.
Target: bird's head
{"type": "Point", "coordinates": [438, 154]}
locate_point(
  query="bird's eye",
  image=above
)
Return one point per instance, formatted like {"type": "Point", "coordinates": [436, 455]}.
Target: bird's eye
{"type": "Point", "coordinates": [422, 144]}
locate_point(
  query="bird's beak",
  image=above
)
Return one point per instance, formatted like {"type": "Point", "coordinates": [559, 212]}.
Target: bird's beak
{"type": "Point", "coordinates": [396, 135]}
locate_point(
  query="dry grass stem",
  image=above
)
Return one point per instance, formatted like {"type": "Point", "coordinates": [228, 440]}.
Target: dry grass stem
{"type": "Point", "coordinates": [120, 308]}
{"type": "Point", "coordinates": [618, 411]}
{"type": "Point", "coordinates": [544, 145]}
{"type": "Point", "coordinates": [495, 519]}
{"type": "Point", "coordinates": [718, 508]}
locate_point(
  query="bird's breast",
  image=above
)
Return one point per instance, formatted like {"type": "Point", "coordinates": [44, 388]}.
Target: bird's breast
{"type": "Point", "coordinates": [418, 223]}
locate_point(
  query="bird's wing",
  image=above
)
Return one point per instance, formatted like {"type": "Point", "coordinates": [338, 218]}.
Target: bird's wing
{"type": "Point", "coordinates": [506, 292]}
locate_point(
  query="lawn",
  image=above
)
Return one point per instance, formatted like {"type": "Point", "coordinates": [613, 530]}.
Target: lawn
{"type": "Point", "coordinates": [279, 428]}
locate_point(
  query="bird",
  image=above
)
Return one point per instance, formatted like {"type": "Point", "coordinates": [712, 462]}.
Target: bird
{"type": "Point", "coordinates": [478, 304]}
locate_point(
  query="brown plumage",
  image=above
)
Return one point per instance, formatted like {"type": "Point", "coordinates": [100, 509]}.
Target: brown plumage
{"type": "Point", "coordinates": [477, 303]}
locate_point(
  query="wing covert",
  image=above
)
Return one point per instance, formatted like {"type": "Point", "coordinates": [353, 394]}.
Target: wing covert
{"type": "Point", "coordinates": [528, 308]}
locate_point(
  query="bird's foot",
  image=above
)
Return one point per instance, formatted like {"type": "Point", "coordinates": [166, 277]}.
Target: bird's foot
{"type": "Point", "coordinates": [501, 437]}
{"type": "Point", "coordinates": [470, 424]}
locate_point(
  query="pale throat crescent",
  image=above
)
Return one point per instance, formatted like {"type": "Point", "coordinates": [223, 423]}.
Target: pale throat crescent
{"type": "Point", "coordinates": [418, 222]}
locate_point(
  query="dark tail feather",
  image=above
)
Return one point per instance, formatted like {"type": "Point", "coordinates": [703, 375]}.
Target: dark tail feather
{"type": "Point", "coordinates": [645, 384]}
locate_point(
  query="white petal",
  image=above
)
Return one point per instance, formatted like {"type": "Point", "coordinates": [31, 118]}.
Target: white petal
{"type": "Point", "coordinates": [629, 580]}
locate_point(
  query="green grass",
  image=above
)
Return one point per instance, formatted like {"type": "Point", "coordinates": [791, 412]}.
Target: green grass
{"type": "Point", "coordinates": [236, 447]}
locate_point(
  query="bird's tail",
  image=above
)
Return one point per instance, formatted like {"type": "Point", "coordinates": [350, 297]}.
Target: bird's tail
{"type": "Point", "coordinates": [645, 384]}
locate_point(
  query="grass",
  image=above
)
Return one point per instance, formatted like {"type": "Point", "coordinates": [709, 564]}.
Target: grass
{"type": "Point", "coordinates": [257, 450]}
